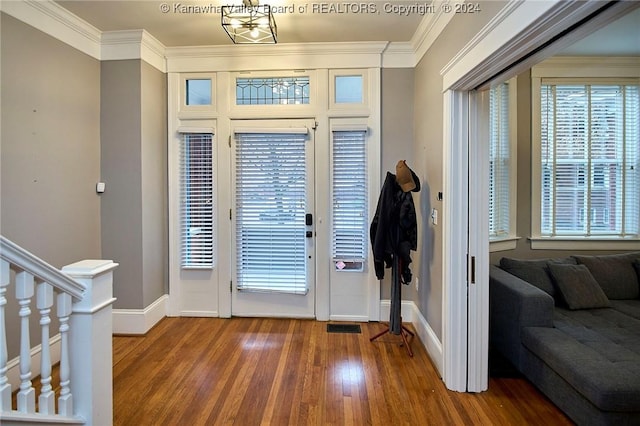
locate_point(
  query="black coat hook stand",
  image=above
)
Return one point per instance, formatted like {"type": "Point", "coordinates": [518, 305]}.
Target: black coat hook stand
{"type": "Point", "coordinates": [395, 320]}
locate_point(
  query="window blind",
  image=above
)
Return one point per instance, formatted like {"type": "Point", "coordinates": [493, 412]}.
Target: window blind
{"type": "Point", "coordinates": [349, 198]}
{"type": "Point", "coordinates": [196, 206]}
{"type": "Point", "coordinates": [500, 163]}
{"type": "Point", "coordinates": [271, 182]}
{"type": "Point", "coordinates": [590, 144]}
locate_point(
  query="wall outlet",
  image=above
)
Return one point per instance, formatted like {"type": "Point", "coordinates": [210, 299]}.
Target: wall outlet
{"type": "Point", "coordinates": [417, 286]}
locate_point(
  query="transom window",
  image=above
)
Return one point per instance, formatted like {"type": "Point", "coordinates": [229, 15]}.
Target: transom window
{"type": "Point", "coordinates": [273, 91]}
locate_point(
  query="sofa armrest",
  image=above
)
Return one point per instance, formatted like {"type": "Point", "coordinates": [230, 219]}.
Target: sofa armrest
{"type": "Point", "coordinates": [515, 304]}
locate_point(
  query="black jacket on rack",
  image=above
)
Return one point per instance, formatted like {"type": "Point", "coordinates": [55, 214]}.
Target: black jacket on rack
{"type": "Point", "coordinates": [394, 229]}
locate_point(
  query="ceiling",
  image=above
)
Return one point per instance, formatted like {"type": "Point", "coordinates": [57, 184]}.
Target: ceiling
{"type": "Point", "coordinates": [299, 21]}
{"type": "Point", "coordinates": [178, 23]}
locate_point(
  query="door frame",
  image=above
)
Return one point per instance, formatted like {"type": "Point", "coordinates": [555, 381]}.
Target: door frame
{"type": "Point", "coordinates": [502, 49]}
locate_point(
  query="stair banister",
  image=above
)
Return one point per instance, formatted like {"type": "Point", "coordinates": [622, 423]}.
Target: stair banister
{"type": "Point", "coordinates": [84, 294]}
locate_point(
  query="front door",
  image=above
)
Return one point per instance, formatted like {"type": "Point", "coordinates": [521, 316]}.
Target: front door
{"type": "Point", "coordinates": [273, 217]}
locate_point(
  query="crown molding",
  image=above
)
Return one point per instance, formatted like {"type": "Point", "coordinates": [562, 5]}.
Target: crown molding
{"type": "Point", "coordinates": [430, 27]}
{"type": "Point", "coordinates": [133, 44]}
{"type": "Point", "coordinates": [56, 21]}
{"type": "Point", "coordinates": [272, 57]}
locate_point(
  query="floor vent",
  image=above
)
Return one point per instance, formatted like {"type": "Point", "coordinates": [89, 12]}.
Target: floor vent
{"type": "Point", "coordinates": [343, 328]}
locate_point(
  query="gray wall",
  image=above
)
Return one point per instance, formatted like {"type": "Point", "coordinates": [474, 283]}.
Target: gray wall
{"type": "Point", "coordinates": [397, 138]}
{"type": "Point", "coordinates": [49, 153]}
{"type": "Point", "coordinates": [134, 164]}
{"type": "Point", "coordinates": [50, 145]}
{"type": "Point", "coordinates": [428, 152]}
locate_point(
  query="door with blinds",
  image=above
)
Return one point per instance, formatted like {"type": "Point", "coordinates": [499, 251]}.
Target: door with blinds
{"type": "Point", "coordinates": [273, 218]}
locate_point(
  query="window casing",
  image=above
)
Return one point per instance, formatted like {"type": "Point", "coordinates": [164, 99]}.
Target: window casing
{"type": "Point", "coordinates": [590, 161]}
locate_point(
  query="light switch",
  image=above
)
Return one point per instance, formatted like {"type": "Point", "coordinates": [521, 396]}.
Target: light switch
{"type": "Point", "coordinates": [434, 216]}
{"type": "Point", "coordinates": [100, 186]}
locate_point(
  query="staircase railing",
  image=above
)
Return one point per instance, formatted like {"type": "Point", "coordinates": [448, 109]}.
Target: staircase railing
{"type": "Point", "coordinates": [82, 296]}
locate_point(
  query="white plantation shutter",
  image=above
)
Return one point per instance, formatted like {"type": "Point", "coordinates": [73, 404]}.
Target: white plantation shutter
{"type": "Point", "coordinates": [590, 143]}
{"type": "Point", "coordinates": [196, 203]}
{"type": "Point", "coordinates": [271, 182]}
{"type": "Point", "coordinates": [500, 163]}
{"type": "Point", "coordinates": [349, 198]}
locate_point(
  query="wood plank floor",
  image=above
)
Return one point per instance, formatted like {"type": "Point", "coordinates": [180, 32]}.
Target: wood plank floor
{"type": "Point", "coordinates": [244, 371]}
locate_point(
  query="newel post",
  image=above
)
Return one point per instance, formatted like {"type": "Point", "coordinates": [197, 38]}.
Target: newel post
{"type": "Point", "coordinates": [90, 342]}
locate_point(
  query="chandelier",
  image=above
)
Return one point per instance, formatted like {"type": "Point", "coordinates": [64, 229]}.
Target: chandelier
{"type": "Point", "coordinates": [250, 23]}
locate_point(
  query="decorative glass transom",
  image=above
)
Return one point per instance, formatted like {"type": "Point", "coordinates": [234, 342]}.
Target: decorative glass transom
{"type": "Point", "coordinates": [272, 91]}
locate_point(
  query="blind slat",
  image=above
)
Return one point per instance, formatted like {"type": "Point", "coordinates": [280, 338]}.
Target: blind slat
{"type": "Point", "coordinates": [590, 144]}
{"type": "Point", "coordinates": [271, 182]}
{"type": "Point", "coordinates": [197, 195]}
{"type": "Point", "coordinates": [349, 195]}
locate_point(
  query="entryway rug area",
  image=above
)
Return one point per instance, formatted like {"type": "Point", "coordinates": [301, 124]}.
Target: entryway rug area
{"type": "Point", "coordinates": [343, 328]}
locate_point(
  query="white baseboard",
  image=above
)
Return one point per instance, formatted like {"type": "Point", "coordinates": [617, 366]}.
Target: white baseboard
{"type": "Point", "coordinates": [13, 366]}
{"type": "Point", "coordinates": [139, 321]}
{"type": "Point", "coordinates": [349, 318]}
{"type": "Point", "coordinates": [410, 313]}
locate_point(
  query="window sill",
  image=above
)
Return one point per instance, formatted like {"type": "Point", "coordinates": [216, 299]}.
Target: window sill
{"type": "Point", "coordinates": [508, 243]}
{"type": "Point", "coordinates": [541, 243]}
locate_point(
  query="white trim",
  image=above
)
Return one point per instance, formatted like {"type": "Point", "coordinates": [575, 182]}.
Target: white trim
{"type": "Point", "coordinates": [556, 243]}
{"type": "Point", "coordinates": [428, 31]}
{"type": "Point", "coordinates": [454, 250]}
{"type": "Point", "coordinates": [139, 321]}
{"type": "Point", "coordinates": [349, 318]}
{"type": "Point", "coordinates": [427, 337]}
{"type": "Point", "coordinates": [56, 21]}
{"type": "Point", "coordinates": [133, 44]}
{"type": "Point", "coordinates": [272, 57]}
{"type": "Point", "coordinates": [13, 366]}
{"type": "Point", "coordinates": [399, 55]}
{"type": "Point", "coordinates": [478, 245]}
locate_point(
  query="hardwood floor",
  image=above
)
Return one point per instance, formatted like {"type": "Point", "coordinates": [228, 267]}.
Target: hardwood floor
{"type": "Point", "coordinates": [245, 371]}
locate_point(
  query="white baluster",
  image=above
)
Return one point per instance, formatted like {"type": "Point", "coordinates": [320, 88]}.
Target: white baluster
{"type": "Point", "coordinates": [5, 386]}
{"type": "Point", "coordinates": [44, 302]}
{"type": "Point", "coordinates": [65, 401]}
{"type": "Point", "coordinates": [24, 293]}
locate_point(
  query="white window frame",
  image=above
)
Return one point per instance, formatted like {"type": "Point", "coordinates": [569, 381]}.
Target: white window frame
{"type": "Point", "coordinates": [616, 69]}
{"type": "Point", "coordinates": [509, 239]}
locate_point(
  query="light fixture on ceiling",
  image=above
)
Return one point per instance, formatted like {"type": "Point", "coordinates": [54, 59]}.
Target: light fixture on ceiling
{"type": "Point", "coordinates": [250, 23]}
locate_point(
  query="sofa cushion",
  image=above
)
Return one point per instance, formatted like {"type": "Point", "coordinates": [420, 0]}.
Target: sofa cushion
{"type": "Point", "coordinates": [534, 271]}
{"type": "Point", "coordinates": [615, 274]}
{"type": "Point", "coordinates": [578, 287]}
{"type": "Point", "coordinates": [629, 307]}
{"type": "Point", "coordinates": [597, 351]}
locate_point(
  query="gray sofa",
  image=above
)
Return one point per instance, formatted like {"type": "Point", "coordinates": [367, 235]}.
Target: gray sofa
{"type": "Point", "coordinates": [572, 327]}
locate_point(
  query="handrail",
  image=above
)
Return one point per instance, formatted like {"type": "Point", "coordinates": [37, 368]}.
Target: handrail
{"type": "Point", "coordinates": [32, 264]}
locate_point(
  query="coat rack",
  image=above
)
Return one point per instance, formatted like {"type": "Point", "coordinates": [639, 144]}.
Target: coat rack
{"type": "Point", "coordinates": [395, 317]}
